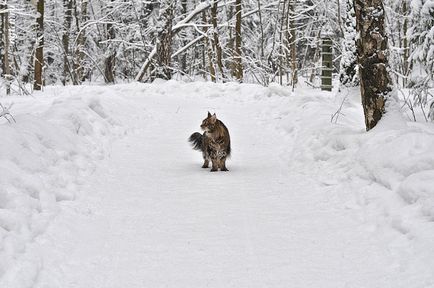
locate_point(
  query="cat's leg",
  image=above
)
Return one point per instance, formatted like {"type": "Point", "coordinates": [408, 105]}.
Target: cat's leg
{"type": "Point", "coordinates": [215, 164]}
{"type": "Point", "coordinates": [205, 160]}
{"type": "Point", "coordinates": [223, 164]}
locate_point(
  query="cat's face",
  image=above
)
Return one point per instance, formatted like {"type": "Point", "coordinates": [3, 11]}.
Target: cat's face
{"type": "Point", "coordinates": [208, 124]}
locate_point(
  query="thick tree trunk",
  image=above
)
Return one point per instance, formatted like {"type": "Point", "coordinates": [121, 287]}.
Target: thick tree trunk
{"type": "Point", "coordinates": [39, 55]}
{"type": "Point", "coordinates": [372, 59]}
{"type": "Point", "coordinates": [238, 64]}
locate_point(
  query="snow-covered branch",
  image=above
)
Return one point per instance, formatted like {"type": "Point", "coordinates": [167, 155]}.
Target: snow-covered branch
{"type": "Point", "coordinates": [5, 113]}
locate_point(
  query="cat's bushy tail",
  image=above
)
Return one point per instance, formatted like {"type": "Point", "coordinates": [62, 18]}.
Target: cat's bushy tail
{"type": "Point", "coordinates": [196, 140]}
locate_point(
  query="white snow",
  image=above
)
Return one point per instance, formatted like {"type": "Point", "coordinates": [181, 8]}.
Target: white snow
{"type": "Point", "coordinates": [99, 188]}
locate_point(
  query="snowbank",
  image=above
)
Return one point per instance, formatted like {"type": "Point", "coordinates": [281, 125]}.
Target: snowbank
{"type": "Point", "coordinates": [44, 156]}
{"type": "Point", "coordinates": [386, 175]}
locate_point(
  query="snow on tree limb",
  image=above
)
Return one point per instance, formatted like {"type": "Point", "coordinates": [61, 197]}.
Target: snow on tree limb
{"type": "Point", "coordinates": [185, 23]}
{"type": "Point", "coordinates": [175, 29]}
{"type": "Point", "coordinates": [6, 113]}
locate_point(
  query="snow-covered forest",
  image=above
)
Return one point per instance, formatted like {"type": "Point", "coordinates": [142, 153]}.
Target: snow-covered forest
{"type": "Point", "coordinates": [249, 41]}
{"type": "Point", "coordinates": [329, 106]}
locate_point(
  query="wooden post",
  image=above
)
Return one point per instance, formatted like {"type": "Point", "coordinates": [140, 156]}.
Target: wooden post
{"type": "Point", "coordinates": [327, 64]}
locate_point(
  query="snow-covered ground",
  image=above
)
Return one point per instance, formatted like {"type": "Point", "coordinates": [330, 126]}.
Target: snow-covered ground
{"type": "Point", "coordinates": [99, 188]}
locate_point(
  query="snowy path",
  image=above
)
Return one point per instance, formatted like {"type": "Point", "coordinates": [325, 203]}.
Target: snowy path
{"type": "Point", "coordinates": [151, 217]}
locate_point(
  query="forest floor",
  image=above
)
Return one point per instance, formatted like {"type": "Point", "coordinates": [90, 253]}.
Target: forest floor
{"type": "Point", "coordinates": [100, 189]}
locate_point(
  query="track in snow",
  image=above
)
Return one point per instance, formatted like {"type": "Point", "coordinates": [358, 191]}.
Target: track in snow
{"type": "Point", "coordinates": [151, 217]}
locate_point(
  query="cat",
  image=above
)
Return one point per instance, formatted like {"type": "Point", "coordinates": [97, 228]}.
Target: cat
{"type": "Point", "coordinates": [215, 143]}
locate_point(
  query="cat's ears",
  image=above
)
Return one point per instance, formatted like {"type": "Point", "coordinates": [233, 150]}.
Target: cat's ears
{"type": "Point", "coordinates": [213, 117]}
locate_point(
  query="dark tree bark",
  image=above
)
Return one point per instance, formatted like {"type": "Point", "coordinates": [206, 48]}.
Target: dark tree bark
{"type": "Point", "coordinates": [4, 47]}
{"type": "Point", "coordinates": [2, 40]}
{"type": "Point", "coordinates": [109, 62]}
{"type": "Point", "coordinates": [39, 55]}
{"type": "Point", "coordinates": [238, 64]}
{"type": "Point", "coordinates": [372, 59]}
{"type": "Point", "coordinates": [183, 59]}
{"type": "Point", "coordinates": [67, 7]}
{"type": "Point", "coordinates": [292, 39]}
{"type": "Point", "coordinates": [79, 54]}
{"type": "Point", "coordinates": [405, 44]}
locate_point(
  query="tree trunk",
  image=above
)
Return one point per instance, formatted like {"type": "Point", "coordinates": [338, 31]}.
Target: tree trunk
{"type": "Point", "coordinates": [293, 42]}
{"type": "Point", "coordinates": [2, 40]}
{"type": "Point", "coordinates": [4, 47]}
{"type": "Point", "coordinates": [109, 61]}
{"type": "Point", "coordinates": [371, 54]}
{"type": "Point", "coordinates": [405, 68]}
{"type": "Point", "coordinates": [208, 48]}
{"type": "Point", "coordinates": [164, 42]}
{"type": "Point", "coordinates": [217, 45]}
{"type": "Point", "coordinates": [67, 7]}
{"type": "Point", "coordinates": [282, 39]}
{"type": "Point", "coordinates": [39, 55]}
{"type": "Point", "coordinates": [79, 54]}
{"type": "Point", "coordinates": [238, 65]}
{"type": "Point", "coordinates": [262, 29]}
{"type": "Point", "coordinates": [184, 42]}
